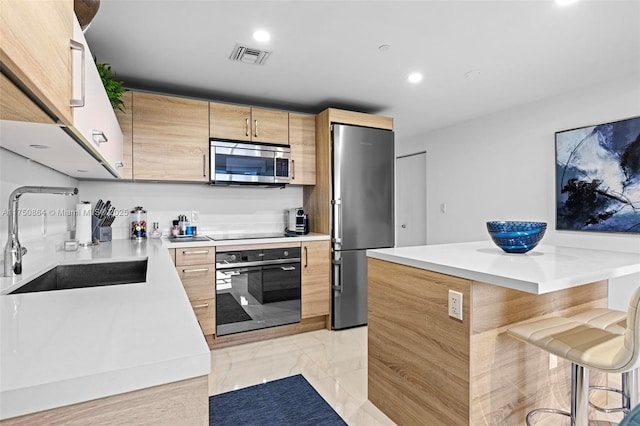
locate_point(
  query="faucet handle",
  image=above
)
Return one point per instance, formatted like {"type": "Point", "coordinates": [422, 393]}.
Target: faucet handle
{"type": "Point", "coordinates": [23, 250]}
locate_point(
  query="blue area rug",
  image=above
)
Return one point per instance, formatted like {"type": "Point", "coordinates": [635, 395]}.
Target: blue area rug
{"type": "Point", "coordinates": [289, 401]}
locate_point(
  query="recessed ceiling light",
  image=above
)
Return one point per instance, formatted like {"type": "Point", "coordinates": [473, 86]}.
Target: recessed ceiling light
{"type": "Point", "coordinates": [415, 77]}
{"type": "Point", "coordinates": [261, 36]}
{"type": "Point", "coordinates": [565, 2]}
{"type": "Point", "coordinates": [37, 146]}
{"type": "Point", "coordinates": [82, 171]}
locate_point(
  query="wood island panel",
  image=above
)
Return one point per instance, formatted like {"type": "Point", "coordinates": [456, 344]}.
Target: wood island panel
{"type": "Point", "coordinates": [418, 356]}
{"type": "Point", "coordinates": [428, 368]}
{"type": "Point", "coordinates": [180, 403]}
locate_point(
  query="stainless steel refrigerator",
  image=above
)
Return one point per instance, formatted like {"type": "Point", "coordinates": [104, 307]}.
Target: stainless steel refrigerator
{"type": "Point", "coordinates": [362, 171]}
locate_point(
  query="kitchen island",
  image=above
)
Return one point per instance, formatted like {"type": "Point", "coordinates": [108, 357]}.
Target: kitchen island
{"type": "Point", "coordinates": [425, 367]}
{"type": "Point", "coordinates": [128, 354]}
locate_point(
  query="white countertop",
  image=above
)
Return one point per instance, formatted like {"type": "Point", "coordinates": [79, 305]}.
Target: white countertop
{"type": "Point", "coordinates": [297, 238]}
{"type": "Point", "coordinates": [68, 346]}
{"type": "Point", "coordinates": [545, 269]}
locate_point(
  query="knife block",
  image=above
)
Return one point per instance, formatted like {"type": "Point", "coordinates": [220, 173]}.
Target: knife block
{"type": "Point", "coordinates": [100, 233]}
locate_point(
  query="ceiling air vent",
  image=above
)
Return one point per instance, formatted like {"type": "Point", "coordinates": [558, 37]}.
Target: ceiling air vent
{"type": "Point", "coordinates": [249, 55]}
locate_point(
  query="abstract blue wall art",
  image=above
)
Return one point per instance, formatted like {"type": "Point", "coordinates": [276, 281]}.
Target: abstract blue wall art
{"type": "Point", "coordinates": [598, 177]}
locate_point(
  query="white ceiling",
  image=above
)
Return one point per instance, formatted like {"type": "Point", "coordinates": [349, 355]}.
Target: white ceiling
{"type": "Point", "coordinates": [325, 53]}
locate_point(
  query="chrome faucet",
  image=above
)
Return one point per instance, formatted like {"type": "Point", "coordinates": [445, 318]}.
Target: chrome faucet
{"type": "Point", "coordinates": [13, 251]}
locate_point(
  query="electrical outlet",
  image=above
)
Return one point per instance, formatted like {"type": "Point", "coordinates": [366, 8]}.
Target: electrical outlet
{"type": "Point", "coordinates": [455, 304]}
{"type": "Point", "coordinates": [195, 216]}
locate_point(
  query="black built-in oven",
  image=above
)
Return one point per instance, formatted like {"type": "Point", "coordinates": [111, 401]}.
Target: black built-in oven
{"type": "Point", "coordinates": [257, 289]}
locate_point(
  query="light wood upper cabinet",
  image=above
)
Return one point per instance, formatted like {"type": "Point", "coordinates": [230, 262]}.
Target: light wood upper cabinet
{"type": "Point", "coordinates": [170, 138]}
{"type": "Point", "coordinates": [16, 106]}
{"type": "Point", "coordinates": [239, 122]}
{"type": "Point", "coordinates": [230, 121]}
{"type": "Point", "coordinates": [125, 119]}
{"type": "Point", "coordinates": [35, 37]}
{"type": "Point", "coordinates": [269, 125]}
{"type": "Point", "coordinates": [316, 283]}
{"type": "Point", "coordinates": [302, 140]}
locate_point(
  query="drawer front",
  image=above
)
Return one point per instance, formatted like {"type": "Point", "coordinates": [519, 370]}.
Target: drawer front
{"type": "Point", "coordinates": [205, 311]}
{"type": "Point", "coordinates": [195, 256]}
{"type": "Point", "coordinates": [198, 281]}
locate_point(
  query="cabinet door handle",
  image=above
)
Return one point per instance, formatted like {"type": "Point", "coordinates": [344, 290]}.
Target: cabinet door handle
{"type": "Point", "coordinates": [306, 256]}
{"type": "Point", "coordinates": [293, 169]}
{"type": "Point", "coordinates": [99, 136]}
{"type": "Point", "coordinates": [288, 268]}
{"type": "Point", "coordinates": [186, 271]}
{"type": "Point", "coordinates": [74, 102]}
{"type": "Point", "coordinates": [196, 252]}
{"type": "Point", "coordinates": [255, 133]}
{"type": "Point", "coordinates": [119, 164]}
{"type": "Point", "coordinates": [204, 305]}
{"type": "Point", "coordinates": [246, 123]}
{"type": "Point", "coordinates": [204, 165]}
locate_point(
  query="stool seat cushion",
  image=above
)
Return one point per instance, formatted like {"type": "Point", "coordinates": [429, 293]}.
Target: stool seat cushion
{"type": "Point", "coordinates": [611, 320]}
{"type": "Point", "coordinates": [580, 343]}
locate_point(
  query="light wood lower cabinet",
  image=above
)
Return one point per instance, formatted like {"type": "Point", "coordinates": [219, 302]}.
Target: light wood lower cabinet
{"type": "Point", "coordinates": [170, 138]}
{"type": "Point", "coordinates": [197, 271]}
{"type": "Point", "coordinates": [302, 141]}
{"type": "Point", "coordinates": [316, 285]}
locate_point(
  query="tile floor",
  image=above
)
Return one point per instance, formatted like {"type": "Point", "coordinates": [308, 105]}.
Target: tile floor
{"type": "Point", "coordinates": [334, 363]}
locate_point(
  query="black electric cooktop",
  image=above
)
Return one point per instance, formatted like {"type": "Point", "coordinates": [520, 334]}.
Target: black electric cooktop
{"type": "Point", "coordinates": [248, 236]}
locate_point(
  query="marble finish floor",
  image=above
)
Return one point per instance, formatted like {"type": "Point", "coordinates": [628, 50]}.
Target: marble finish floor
{"type": "Point", "coordinates": [334, 363]}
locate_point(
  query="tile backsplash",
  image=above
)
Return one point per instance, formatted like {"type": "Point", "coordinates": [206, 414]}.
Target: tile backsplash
{"type": "Point", "coordinates": [220, 208]}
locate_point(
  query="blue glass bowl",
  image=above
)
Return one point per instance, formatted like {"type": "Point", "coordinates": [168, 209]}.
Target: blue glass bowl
{"type": "Point", "coordinates": [516, 237]}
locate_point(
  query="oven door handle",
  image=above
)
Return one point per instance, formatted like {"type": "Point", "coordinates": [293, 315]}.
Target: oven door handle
{"type": "Point", "coordinates": [222, 266]}
{"type": "Point", "coordinates": [288, 268]}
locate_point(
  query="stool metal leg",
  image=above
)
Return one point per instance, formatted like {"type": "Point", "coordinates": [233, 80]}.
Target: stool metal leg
{"type": "Point", "coordinates": [579, 395]}
{"type": "Point", "coordinates": [629, 390]}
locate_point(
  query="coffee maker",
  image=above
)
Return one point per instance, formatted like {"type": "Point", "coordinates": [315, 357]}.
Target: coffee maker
{"type": "Point", "coordinates": [298, 222]}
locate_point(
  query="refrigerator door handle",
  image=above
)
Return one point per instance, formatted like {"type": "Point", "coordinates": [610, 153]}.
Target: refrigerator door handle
{"type": "Point", "coordinates": [337, 222]}
{"type": "Point", "coordinates": [337, 275]}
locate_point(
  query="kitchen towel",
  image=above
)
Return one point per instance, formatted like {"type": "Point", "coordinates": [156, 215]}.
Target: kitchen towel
{"type": "Point", "coordinates": [83, 222]}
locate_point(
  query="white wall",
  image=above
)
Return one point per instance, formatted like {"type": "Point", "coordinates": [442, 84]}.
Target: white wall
{"type": "Point", "coordinates": [229, 209]}
{"type": "Point", "coordinates": [502, 167]}
{"type": "Point", "coordinates": [16, 171]}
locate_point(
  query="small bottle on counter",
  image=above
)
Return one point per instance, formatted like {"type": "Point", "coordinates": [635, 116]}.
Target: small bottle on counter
{"type": "Point", "coordinates": [156, 233]}
{"type": "Point", "coordinates": [175, 228]}
{"type": "Point", "coordinates": [182, 220]}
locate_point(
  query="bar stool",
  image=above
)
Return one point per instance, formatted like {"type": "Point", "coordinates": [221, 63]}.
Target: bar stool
{"type": "Point", "coordinates": [613, 321]}
{"type": "Point", "coordinates": [587, 348]}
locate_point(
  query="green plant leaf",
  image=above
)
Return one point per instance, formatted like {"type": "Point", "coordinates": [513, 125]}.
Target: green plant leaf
{"type": "Point", "coordinates": [114, 88]}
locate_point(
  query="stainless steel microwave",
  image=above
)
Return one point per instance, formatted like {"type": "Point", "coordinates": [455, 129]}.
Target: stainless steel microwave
{"type": "Point", "coordinates": [249, 163]}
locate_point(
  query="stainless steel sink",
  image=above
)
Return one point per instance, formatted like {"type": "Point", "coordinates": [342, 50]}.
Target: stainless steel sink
{"type": "Point", "coordinates": [64, 277]}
